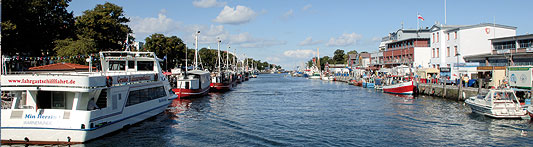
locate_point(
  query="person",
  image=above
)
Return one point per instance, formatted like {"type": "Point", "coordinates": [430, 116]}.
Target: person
{"type": "Point", "coordinates": [91, 105]}
{"type": "Point", "coordinates": [498, 96]}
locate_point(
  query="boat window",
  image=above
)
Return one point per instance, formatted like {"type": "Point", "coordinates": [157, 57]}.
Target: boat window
{"type": "Point", "coordinates": [131, 64]}
{"type": "Point", "coordinates": [145, 66]}
{"type": "Point", "coordinates": [117, 65]}
{"type": "Point", "coordinates": [58, 100]}
{"type": "Point", "coordinates": [101, 102]}
{"type": "Point", "coordinates": [503, 96]}
{"type": "Point", "coordinates": [143, 95]}
{"type": "Point", "coordinates": [44, 99]}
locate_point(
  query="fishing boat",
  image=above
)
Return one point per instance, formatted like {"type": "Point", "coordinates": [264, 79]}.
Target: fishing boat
{"type": "Point", "coordinates": [498, 103]}
{"type": "Point", "coordinates": [404, 88]}
{"type": "Point", "coordinates": [194, 83]}
{"type": "Point", "coordinates": [221, 80]}
{"type": "Point", "coordinates": [59, 107]}
{"type": "Point", "coordinates": [190, 84]}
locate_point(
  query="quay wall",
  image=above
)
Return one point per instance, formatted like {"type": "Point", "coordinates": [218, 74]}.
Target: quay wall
{"type": "Point", "coordinates": [451, 91]}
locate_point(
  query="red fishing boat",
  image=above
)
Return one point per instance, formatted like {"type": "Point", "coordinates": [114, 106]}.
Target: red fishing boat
{"type": "Point", "coordinates": [190, 84]}
{"type": "Point", "coordinates": [222, 82]}
{"type": "Point", "coordinates": [405, 88]}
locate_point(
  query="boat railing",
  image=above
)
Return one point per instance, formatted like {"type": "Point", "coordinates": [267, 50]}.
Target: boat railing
{"type": "Point", "coordinates": [74, 73]}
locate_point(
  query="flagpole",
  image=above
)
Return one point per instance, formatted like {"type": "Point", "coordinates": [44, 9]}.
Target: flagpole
{"type": "Point", "coordinates": [417, 21]}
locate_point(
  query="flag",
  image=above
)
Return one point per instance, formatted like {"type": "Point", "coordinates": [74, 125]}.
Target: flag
{"type": "Point", "coordinates": [420, 17]}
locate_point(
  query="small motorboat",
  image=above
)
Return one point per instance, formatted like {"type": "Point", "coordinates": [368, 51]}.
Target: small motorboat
{"type": "Point", "coordinates": [498, 103]}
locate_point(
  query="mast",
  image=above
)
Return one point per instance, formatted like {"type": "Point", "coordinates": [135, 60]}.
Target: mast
{"type": "Point", "coordinates": [219, 60]}
{"type": "Point", "coordinates": [227, 57]}
{"type": "Point", "coordinates": [235, 59]}
{"type": "Point", "coordinates": [318, 61]}
{"type": "Point", "coordinates": [196, 52]}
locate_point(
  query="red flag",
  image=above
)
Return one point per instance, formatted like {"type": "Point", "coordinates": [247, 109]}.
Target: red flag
{"type": "Point", "coordinates": [420, 17]}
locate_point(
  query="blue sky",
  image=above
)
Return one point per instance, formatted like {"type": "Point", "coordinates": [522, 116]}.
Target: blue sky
{"type": "Point", "coordinates": [288, 32]}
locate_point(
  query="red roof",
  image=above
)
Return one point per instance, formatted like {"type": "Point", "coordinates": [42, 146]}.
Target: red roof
{"type": "Point", "coordinates": [61, 66]}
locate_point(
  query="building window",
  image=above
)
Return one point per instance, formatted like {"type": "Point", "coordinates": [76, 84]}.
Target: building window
{"type": "Point", "coordinates": [526, 43]}
{"type": "Point", "coordinates": [433, 53]}
{"type": "Point", "coordinates": [448, 36]}
{"type": "Point", "coordinates": [448, 51]}
{"type": "Point", "coordinates": [437, 52]}
{"type": "Point", "coordinates": [437, 36]}
{"type": "Point", "coordinates": [455, 48]}
{"type": "Point", "coordinates": [448, 65]}
{"type": "Point", "coordinates": [504, 45]}
{"type": "Point", "coordinates": [455, 34]}
{"type": "Point", "coordinates": [433, 38]}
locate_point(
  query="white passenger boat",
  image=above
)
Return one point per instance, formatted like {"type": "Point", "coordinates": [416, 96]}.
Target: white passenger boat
{"type": "Point", "coordinates": [74, 107]}
{"type": "Point", "coordinates": [497, 104]}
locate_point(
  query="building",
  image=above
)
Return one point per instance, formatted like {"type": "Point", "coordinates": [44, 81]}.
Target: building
{"type": "Point", "coordinates": [376, 59]}
{"type": "Point", "coordinates": [364, 59]}
{"type": "Point", "coordinates": [405, 47]}
{"type": "Point", "coordinates": [507, 51]}
{"type": "Point", "coordinates": [449, 43]}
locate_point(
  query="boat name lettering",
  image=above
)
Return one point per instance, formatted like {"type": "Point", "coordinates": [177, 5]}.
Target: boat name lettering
{"type": "Point", "coordinates": [37, 123]}
{"type": "Point", "coordinates": [146, 77]}
{"type": "Point", "coordinates": [122, 80]}
{"type": "Point", "coordinates": [32, 116]}
{"type": "Point", "coordinates": [47, 81]}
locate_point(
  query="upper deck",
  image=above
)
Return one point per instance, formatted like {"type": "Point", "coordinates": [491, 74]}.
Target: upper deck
{"type": "Point", "coordinates": [118, 68]}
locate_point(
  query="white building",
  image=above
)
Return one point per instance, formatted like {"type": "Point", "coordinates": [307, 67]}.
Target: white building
{"type": "Point", "coordinates": [449, 43]}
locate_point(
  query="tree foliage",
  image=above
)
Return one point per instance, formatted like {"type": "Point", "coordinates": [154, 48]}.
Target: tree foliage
{"type": "Point", "coordinates": [338, 56]}
{"type": "Point", "coordinates": [70, 47]}
{"type": "Point", "coordinates": [172, 47]}
{"type": "Point", "coordinates": [30, 27]}
{"type": "Point", "coordinates": [106, 25]}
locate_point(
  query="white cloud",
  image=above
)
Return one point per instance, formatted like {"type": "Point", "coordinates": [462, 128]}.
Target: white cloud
{"type": "Point", "coordinates": [344, 40]}
{"type": "Point", "coordinates": [287, 14]}
{"type": "Point", "coordinates": [299, 53]}
{"type": "Point", "coordinates": [273, 59]}
{"type": "Point", "coordinates": [207, 3]}
{"type": "Point", "coordinates": [143, 27]}
{"type": "Point", "coordinates": [261, 43]}
{"type": "Point", "coordinates": [149, 25]}
{"type": "Point", "coordinates": [239, 15]}
{"type": "Point", "coordinates": [306, 7]}
{"type": "Point", "coordinates": [309, 41]}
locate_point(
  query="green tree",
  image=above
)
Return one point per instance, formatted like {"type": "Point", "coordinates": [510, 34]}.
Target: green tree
{"type": "Point", "coordinates": [70, 47]}
{"type": "Point", "coordinates": [172, 47]}
{"type": "Point", "coordinates": [106, 25]}
{"type": "Point", "coordinates": [338, 56]}
{"type": "Point", "coordinates": [30, 27]}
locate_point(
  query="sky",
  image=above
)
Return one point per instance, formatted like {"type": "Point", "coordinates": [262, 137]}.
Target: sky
{"type": "Point", "coordinates": [288, 32]}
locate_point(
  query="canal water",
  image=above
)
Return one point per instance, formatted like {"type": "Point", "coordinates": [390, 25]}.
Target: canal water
{"type": "Point", "coordinates": [279, 110]}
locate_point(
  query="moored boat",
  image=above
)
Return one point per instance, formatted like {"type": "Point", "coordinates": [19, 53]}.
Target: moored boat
{"type": "Point", "coordinates": [498, 103]}
{"type": "Point", "coordinates": [58, 107]}
{"type": "Point", "coordinates": [190, 84]}
{"type": "Point", "coordinates": [404, 88]}
{"type": "Point", "coordinates": [222, 82]}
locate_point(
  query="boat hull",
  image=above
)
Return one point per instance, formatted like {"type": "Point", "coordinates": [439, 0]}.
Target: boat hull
{"type": "Point", "coordinates": [16, 135]}
{"type": "Point", "coordinates": [405, 88]}
{"type": "Point", "coordinates": [221, 87]}
{"type": "Point", "coordinates": [488, 111]}
{"type": "Point", "coordinates": [190, 93]}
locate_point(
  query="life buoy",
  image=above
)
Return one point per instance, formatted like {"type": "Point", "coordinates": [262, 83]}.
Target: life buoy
{"type": "Point", "coordinates": [109, 81]}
